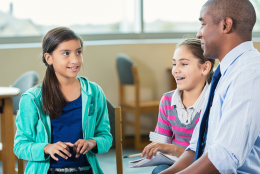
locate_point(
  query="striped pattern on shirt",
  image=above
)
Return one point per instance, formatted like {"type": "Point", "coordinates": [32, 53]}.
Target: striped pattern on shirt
{"type": "Point", "coordinates": [170, 125]}
{"type": "Point", "coordinates": [186, 115]}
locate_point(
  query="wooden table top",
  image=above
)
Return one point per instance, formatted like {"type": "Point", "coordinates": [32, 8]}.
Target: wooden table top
{"type": "Point", "coordinates": [6, 92]}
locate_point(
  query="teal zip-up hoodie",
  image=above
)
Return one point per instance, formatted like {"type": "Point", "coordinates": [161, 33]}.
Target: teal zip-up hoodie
{"type": "Point", "coordinates": [34, 127]}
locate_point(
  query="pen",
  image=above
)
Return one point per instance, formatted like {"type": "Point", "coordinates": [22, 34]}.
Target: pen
{"type": "Point", "coordinates": [139, 154]}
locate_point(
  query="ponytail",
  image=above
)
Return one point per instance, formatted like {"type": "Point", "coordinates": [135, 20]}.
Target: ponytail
{"type": "Point", "coordinates": [209, 77]}
{"type": "Point", "coordinates": [53, 100]}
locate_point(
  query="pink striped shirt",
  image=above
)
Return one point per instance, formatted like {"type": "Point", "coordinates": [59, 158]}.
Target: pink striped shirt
{"type": "Point", "coordinates": [170, 125]}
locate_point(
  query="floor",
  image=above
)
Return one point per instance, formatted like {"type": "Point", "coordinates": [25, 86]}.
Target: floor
{"type": "Point", "coordinates": [108, 163]}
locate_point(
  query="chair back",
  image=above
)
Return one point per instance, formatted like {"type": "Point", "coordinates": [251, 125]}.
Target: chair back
{"type": "Point", "coordinates": [124, 68]}
{"type": "Point", "coordinates": [111, 115]}
{"type": "Point", "coordinates": [24, 82]}
{"type": "Point", "coordinates": [116, 131]}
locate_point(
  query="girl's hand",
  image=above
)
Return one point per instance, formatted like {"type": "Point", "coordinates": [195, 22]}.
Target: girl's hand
{"type": "Point", "coordinates": [57, 148]}
{"type": "Point", "coordinates": [83, 146]}
{"type": "Point", "coordinates": [152, 148]}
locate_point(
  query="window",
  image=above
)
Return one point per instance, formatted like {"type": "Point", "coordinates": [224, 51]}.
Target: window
{"type": "Point", "coordinates": [29, 20]}
{"type": "Point", "coordinates": [256, 4]}
{"type": "Point", "coordinates": [35, 17]}
{"type": "Point", "coordinates": [172, 15]}
{"type": "Point", "coordinates": [178, 16]}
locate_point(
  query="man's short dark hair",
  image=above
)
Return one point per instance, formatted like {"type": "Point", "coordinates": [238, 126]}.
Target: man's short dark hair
{"type": "Point", "coordinates": [242, 13]}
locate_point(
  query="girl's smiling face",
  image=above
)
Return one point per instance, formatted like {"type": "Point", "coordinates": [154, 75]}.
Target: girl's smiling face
{"type": "Point", "coordinates": [66, 59]}
{"type": "Point", "coordinates": [187, 70]}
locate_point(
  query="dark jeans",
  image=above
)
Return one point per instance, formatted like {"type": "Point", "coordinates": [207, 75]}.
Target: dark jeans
{"type": "Point", "coordinates": [82, 172]}
{"type": "Point", "coordinates": [160, 168]}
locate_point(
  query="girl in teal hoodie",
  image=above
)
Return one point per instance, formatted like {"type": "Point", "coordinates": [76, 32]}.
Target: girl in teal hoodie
{"type": "Point", "coordinates": [63, 122]}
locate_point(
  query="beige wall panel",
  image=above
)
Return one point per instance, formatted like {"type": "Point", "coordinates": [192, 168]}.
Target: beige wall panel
{"type": "Point", "coordinates": [99, 66]}
{"type": "Point", "coordinates": [14, 62]}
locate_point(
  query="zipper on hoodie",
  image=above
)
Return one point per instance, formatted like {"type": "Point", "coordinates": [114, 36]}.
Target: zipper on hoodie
{"type": "Point", "coordinates": [44, 128]}
{"type": "Point", "coordinates": [87, 116]}
{"type": "Point", "coordinates": [86, 129]}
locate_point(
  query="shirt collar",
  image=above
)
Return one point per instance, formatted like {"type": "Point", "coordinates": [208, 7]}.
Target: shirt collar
{"type": "Point", "coordinates": [199, 102]}
{"type": "Point", "coordinates": [232, 55]}
{"type": "Point", "coordinates": [176, 99]}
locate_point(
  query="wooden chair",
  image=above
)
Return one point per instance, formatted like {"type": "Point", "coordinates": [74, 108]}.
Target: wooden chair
{"type": "Point", "coordinates": [116, 131]}
{"type": "Point", "coordinates": [24, 82]}
{"type": "Point", "coordinates": [128, 75]}
{"type": "Point", "coordinates": [20, 166]}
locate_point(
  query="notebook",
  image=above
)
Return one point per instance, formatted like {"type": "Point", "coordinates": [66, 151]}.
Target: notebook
{"type": "Point", "coordinates": [156, 137]}
{"type": "Point", "coordinates": [156, 160]}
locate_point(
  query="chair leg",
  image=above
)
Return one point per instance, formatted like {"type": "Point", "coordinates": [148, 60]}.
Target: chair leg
{"type": "Point", "coordinates": [137, 130]}
{"type": "Point", "coordinates": [123, 127]}
{"type": "Point", "coordinates": [118, 139]}
{"type": "Point", "coordinates": [20, 166]}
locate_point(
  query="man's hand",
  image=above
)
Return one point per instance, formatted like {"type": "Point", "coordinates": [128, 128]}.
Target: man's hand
{"type": "Point", "coordinates": [83, 146]}
{"type": "Point", "coordinates": [58, 148]}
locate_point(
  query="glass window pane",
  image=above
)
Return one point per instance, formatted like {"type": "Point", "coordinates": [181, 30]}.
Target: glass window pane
{"type": "Point", "coordinates": [36, 17]}
{"type": "Point", "coordinates": [178, 16]}
{"type": "Point", "coordinates": [256, 4]}
{"type": "Point", "coordinates": [172, 15]}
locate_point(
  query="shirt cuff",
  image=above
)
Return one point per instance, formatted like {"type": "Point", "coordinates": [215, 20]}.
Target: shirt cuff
{"type": "Point", "coordinates": [224, 161]}
{"type": "Point", "coordinates": [191, 148]}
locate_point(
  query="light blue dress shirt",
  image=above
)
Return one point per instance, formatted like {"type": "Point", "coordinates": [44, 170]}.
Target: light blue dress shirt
{"type": "Point", "coordinates": [233, 140]}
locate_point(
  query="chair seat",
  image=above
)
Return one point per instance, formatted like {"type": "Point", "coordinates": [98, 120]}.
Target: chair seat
{"type": "Point", "coordinates": [145, 106]}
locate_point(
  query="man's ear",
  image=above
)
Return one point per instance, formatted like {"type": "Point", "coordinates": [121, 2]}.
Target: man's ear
{"type": "Point", "coordinates": [48, 58]}
{"type": "Point", "coordinates": [206, 68]}
{"type": "Point", "coordinates": [227, 25]}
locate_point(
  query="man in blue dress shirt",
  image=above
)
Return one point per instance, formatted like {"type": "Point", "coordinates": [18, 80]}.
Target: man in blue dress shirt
{"type": "Point", "coordinates": [233, 124]}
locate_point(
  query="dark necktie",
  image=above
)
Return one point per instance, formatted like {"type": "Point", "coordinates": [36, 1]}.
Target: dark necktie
{"type": "Point", "coordinates": [204, 122]}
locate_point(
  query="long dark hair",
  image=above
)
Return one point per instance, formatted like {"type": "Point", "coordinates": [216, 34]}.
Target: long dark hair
{"type": "Point", "coordinates": [52, 98]}
{"type": "Point", "coordinates": [194, 45]}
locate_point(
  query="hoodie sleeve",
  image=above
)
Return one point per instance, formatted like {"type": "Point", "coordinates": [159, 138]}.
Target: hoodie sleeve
{"type": "Point", "coordinates": [28, 126]}
{"type": "Point", "coordinates": [102, 133]}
